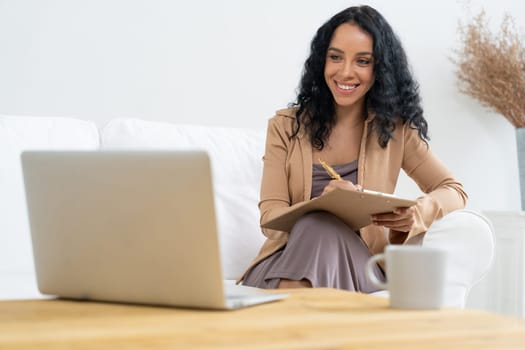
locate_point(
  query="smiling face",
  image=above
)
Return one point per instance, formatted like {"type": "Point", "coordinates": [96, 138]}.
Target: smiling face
{"type": "Point", "coordinates": [349, 68]}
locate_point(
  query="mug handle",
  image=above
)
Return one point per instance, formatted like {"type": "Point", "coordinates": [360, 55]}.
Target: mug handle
{"type": "Point", "coordinates": [369, 269]}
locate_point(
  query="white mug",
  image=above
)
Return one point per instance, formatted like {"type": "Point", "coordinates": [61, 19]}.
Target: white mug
{"type": "Point", "coordinates": [415, 276]}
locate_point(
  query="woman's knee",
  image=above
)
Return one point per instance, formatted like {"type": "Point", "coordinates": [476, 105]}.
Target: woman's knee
{"type": "Point", "coordinates": [320, 222]}
{"type": "Point", "coordinates": [316, 219]}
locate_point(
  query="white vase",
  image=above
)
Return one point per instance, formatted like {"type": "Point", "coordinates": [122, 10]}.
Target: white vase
{"type": "Point", "coordinates": [520, 143]}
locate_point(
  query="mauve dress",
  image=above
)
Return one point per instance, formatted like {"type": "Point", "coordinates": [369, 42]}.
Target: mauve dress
{"type": "Point", "coordinates": [320, 248]}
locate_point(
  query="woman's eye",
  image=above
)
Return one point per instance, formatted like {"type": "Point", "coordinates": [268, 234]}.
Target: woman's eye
{"type": "Point", "coordinates": [363, 62]}
{"type": "Point", "coordinates": [335, 57]}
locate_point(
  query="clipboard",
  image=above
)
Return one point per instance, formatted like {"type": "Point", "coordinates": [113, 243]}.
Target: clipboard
{"type": "Point", "coordinates": [354, 208]}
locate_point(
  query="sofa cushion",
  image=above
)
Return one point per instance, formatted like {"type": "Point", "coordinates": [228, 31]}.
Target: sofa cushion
{"type": "Point", "coordinates": [236, 162]}
{"type": "Point", "coordinates": [29, 133]}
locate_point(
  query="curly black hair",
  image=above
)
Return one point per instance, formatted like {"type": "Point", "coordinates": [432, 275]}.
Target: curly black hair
{"type": "Point", "coordinates": [394, 94]}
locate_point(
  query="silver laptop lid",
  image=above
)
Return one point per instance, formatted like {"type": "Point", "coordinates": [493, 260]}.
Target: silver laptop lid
{"type": "Point", "coordinates": [126, 226]}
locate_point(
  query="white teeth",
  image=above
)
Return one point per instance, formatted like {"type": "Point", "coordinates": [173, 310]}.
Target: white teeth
{"type": "Point", "coordinates": [346, 87]}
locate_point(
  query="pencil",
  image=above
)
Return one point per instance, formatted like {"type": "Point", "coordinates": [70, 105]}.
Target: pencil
{"type": "Point", "coordinates": [333, 174]}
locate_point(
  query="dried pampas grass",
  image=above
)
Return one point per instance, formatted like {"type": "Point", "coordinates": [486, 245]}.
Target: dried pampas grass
{"type": "Point", "coordinates": [491, 68]}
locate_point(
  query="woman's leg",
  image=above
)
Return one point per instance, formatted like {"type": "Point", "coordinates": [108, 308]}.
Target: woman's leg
{"type": "Point", "coordinates": [286, 283]}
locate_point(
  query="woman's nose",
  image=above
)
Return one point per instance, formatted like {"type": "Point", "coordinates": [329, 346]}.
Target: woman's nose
{"type": "Point", "coordinates": [347, 70]}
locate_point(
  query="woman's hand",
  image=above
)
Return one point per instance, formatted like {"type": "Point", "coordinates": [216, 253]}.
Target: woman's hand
{"type": "Point", "coordinates": [402, 219]}
{"type": "Point", "coordinates": [347, 185]}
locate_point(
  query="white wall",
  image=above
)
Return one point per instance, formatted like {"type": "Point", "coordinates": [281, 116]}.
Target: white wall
{"type": "Point", "coordinates": [233, 63]}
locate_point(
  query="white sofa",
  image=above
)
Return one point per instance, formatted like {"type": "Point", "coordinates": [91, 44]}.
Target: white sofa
{"type": "Point", "coordinates": [236, 164]}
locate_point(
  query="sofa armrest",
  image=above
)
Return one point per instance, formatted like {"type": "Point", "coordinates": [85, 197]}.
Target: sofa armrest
{"type": "Point", "coordinates": [468, 239]}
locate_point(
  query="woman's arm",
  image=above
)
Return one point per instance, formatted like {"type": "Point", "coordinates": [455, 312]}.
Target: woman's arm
{"type": "Point", "coordinates": [275, 198]}
{"type": "Point", "coordinates": [443, 193]}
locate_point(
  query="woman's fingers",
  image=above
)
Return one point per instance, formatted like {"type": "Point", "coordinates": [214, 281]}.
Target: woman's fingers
{"type": "Point", "coordinates": [333, 184]}
{"type": "Point", "coordinates": [402, 219]}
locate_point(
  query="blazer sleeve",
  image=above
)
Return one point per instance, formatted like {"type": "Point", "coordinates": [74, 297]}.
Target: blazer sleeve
{"type": "Point", "coordinates": [443, 193]}
{"type": "Point", "coordinates": [275, 197]}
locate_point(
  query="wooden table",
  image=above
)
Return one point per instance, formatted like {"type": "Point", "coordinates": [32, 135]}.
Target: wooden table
{"type": "Point", "coordinates": [308, 319]}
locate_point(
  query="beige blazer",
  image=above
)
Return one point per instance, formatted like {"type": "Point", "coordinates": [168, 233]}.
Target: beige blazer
{"type": "Point", "coordinates": [287, 179]}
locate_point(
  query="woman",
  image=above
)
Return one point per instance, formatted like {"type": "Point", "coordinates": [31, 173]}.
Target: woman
{"type": "Point", "coordinates": [358, 109]}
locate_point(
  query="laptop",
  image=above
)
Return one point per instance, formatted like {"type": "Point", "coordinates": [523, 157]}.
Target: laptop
{"type": "Point", "coordinates": [130, 227]}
